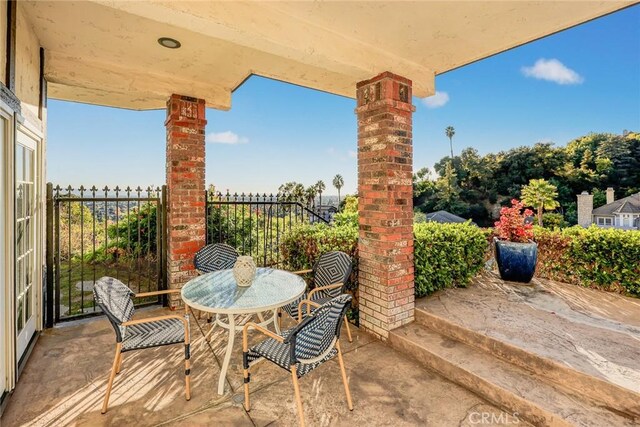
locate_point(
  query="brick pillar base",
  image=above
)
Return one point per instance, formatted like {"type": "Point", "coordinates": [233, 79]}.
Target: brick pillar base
{"type": "Point", "coordinates": [186, 188]}
{"type": "Point", "coordinates": [385, 204]}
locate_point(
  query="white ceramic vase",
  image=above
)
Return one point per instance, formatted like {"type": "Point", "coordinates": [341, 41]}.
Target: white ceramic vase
{"type": "Point", "coordinates": [244, 271]}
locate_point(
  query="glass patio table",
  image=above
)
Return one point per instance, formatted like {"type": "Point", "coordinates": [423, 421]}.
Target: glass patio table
{"type": "Point", "coordinates": [218, 293]}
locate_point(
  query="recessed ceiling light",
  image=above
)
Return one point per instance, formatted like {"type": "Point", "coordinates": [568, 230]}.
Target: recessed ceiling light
{"type": "Point", "coordinates": [168, 42]}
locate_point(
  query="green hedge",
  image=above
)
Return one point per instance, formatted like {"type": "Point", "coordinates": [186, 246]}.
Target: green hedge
{"type": "Point", "coordinates": [604, 258]}
{"type": "Point", "coordinates": [447, 255]}
{"type": "Point", "coordinates": [302, 246]}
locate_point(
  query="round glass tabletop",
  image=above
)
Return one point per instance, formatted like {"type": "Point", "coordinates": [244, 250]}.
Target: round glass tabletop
{"type": "Point", "coordinates": [217, 292]}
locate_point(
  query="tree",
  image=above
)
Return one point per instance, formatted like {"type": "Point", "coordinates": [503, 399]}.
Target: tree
{"type": "Point", "coordinates": [310, 195]}
{"type": "Point", "coordinates": [320, 187]}
{"type": "Point", "coordinates": [448, 192]}
{"type": "Point", "coordinates": [338, 182]}
{"type": "Point", "coordinates": [292, 192]}
{"type": "Point", "coordinates": [450, 131]}
{"type": "Point", "coordinates": [541, 195]}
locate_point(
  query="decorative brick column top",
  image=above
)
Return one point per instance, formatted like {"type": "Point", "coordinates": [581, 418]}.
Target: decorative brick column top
{"type": "Point", "coordinates": [185, 125]}
{"type": "Point", "coordinates": [385, 205]}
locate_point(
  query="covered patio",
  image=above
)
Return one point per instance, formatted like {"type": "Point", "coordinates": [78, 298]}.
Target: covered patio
{"type": "Point", "coordinates": [448, 368]}
{"type": "Point", "coordinates": [65, 379]}
{"type": "Point", "coordinates": [186, 57]}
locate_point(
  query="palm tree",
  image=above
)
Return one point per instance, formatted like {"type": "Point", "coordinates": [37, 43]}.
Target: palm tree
{"type": "Point", "coordinates": [310, 195]}
{"type": "Point", "coordinates": [320, 188]}
{"type": "Point", "coordinates": [292, 191]}
{"type": "Point", "coordinates": [338, 182]}
{"type": "Point", "coordinates": [450, 131]}
{"type": "Point", "coordinates": [541, 195]}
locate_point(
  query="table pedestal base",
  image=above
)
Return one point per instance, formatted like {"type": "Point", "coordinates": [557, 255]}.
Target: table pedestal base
{"type": "Point", "coordinates": [233, 328]}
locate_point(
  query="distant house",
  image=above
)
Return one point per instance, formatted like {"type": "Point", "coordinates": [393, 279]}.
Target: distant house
{"type": "Point", "coordinates": [326, 211]}
{"type": "Point", "coordinates": [444, 217]}
{"type": "Point", "coordinates": [622, 213]}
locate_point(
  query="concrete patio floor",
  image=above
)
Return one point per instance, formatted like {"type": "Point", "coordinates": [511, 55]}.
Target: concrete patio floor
{"type": "Point", "coordinates": [593, 332]}
{"type": "Point", "coordinates": [64, 381]}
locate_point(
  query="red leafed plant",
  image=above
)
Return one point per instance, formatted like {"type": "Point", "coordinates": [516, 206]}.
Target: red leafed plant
{"type": "Point", "coordinates": [512, 226]}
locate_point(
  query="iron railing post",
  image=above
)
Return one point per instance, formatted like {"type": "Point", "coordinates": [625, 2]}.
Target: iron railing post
{"type": "Point", "coordinates": [49, 317]}
{"type": "Point", "coordinates": [164, 243]}
{"type": "Point", "coordinates": [56, 254]}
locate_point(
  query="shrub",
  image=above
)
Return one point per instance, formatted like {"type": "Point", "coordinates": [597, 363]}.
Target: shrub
{"type": "Point", "coordinates": [553, 254]}
{"type": "Point", "coordinates": [350, 204]}
{"type": "Point", "coordinates": [305, 243]}
{"type": "Point", "coordinates": [301, 247]}
{"type": "Point", "coordinates": [346, 219]}
{"type": "Point", "coordinates": [553, 220]}
{"type": "Point", "coordinates": [419, 217]}
{"type": "Point", "coordinates": [512, 226]}
{"type": "Point", "coordinates": [594, 257]}
{"type": "Point", "coordinates": [447, 255]}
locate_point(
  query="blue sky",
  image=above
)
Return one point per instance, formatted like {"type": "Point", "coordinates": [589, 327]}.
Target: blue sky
{"type": "Point", "coordinates": [586, 79]}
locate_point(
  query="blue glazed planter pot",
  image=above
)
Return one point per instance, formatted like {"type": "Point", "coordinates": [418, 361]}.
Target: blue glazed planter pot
{"type": "Point", "coordinates": [516, 261]}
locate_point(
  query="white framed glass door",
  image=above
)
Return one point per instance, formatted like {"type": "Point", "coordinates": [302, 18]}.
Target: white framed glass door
{"type": "Point", "coordinates": [5, 306]}
{"type": "Point", "coordinates": [25, 240]}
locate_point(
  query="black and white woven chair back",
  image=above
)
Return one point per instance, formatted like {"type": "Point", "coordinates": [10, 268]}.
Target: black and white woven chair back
{"type": "Point", "coordinates": [114, 299]}
{"type": "Point", "coordinates": [215, 257]}
{"type": "Point", "coordinates": [317, 334]}
{"type": "Point", "coordinates": [332, 267]}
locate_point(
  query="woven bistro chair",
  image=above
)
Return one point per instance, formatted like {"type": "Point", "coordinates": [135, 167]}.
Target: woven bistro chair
{"type": "Point", "coordinates": [330, 274]}
{"type": "Point", "coordinates": [214, 257]}
{"type": "Point", "coordinates": [303, 348]}
{"type": "Point", "coordinates": [114, 298]}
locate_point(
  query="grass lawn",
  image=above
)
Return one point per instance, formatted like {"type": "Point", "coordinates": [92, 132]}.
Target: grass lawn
{"type": "Point", "coordinates": [141, 275]}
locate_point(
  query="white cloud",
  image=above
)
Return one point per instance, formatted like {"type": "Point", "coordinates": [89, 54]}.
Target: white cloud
{"type": "Point", "coordinates": [437, 100]}
{"type": "Point", "coordinates": [227, 137]}
{"type": "Point", "coordinates": [343, 156]}
{"type": "Point", "coordinates": [554, 71]}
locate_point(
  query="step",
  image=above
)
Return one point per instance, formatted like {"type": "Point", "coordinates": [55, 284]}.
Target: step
{"type": "Point", "coordinates": [602, 392]}
{"type": "Point", "coordinates": [516, 390]}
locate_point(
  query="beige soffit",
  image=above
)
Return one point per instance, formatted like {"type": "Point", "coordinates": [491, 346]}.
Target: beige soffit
{"type": "Point", "coordinates": [106, 52]}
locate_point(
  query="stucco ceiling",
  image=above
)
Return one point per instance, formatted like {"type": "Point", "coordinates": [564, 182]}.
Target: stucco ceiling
{"type": "Point", "coordinates": [106, 52]}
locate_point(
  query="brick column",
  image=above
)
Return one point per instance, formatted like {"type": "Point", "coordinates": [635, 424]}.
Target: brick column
{"type": "Point", "coordinates": [185, 187]}
{"type": "Point", "coordinates": [385, 204]}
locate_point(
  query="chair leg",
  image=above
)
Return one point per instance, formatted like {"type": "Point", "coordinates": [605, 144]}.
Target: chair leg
{"type": "Point", "coordinates": [187, 370]}
{"type": "Point", "coordinates": [296, 388]}
{"type": "Point", "coordinates": [247, 378]}
{"type": "Point", "coordinates": [245, 366]}
{"type": "Point", "coordinates": [119, 363]}
{"type": "Point", "coordinates": [187, 361]}
{"type": "Point", "coordinates": [346, 322]}
{"type": "Point", "coordinates": [344, 377]}
{"type": "Point", "coordinates": [112, 375]}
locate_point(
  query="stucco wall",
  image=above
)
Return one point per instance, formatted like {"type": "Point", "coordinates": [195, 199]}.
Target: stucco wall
{"type": "Point", "coordinates": [3, 40]}
{"type": "Point", "coordinates": [27, 68]}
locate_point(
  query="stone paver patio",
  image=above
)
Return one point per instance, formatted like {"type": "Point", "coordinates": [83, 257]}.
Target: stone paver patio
{"type": "Point", "coordinates": [65, 378]}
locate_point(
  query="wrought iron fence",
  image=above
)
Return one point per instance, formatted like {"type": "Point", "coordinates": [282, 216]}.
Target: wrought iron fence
{"type": "Point", "coordinates": [95, 232]}
{"type": "Point", "coordinates": [255, 223]}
